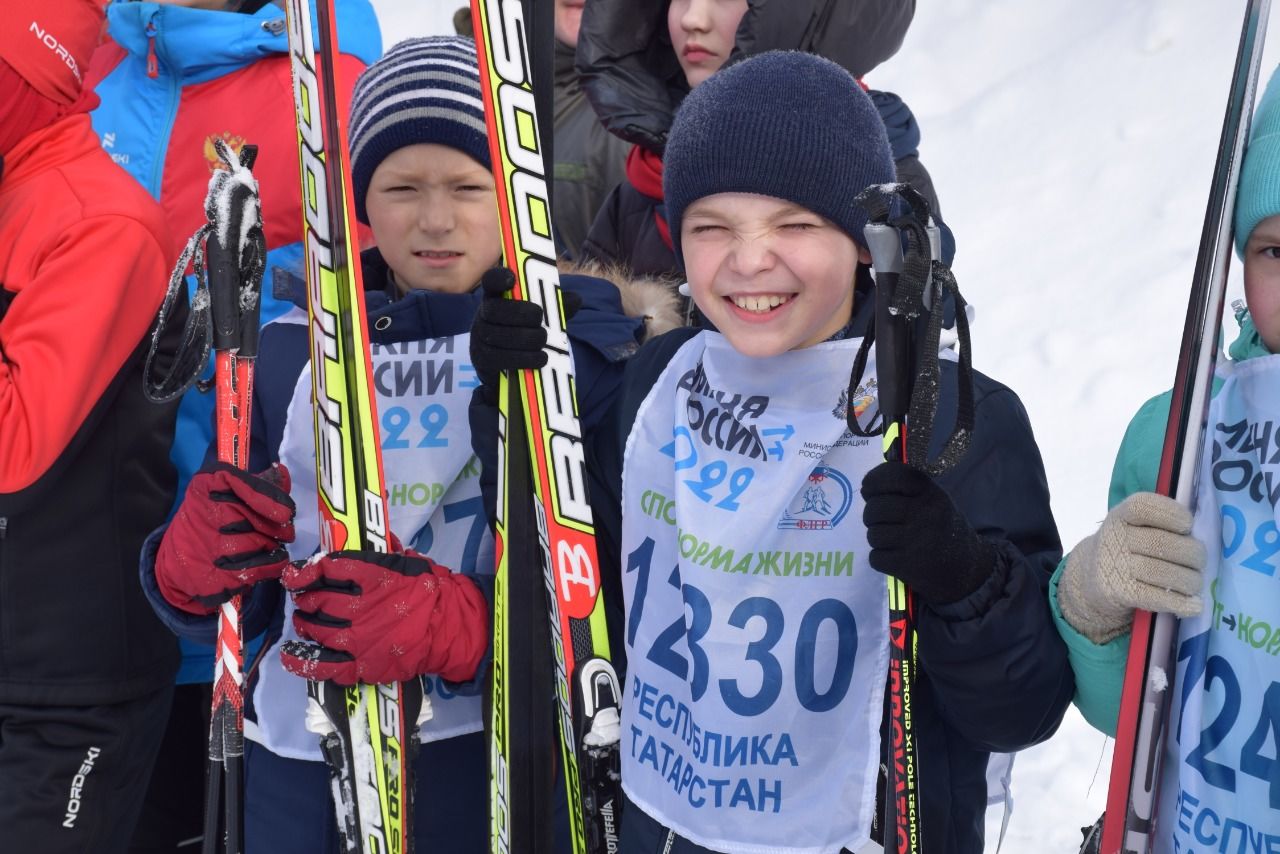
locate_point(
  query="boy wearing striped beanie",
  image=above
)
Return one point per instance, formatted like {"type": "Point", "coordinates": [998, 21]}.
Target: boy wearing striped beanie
{"type": "Point", "coordinates": [420, 167]}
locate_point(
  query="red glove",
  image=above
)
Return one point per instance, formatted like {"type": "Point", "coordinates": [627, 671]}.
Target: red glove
{"type": "Point", "coordinates": [378, 618]}
{"type": "Point", "coordinates": [225, 537]}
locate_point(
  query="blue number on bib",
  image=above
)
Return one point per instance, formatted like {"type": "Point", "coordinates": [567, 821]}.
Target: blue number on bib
{"type": "Point", "coordinates": [759, 652]}
{"type": "Point", "coordinates": [1252, 762]}
{"type": "Point", "coordinates": [712, 475]}
{"type": "Point", "coordinates": [663, 651]}
{"type": "Point", "coordinates": [433, 420]}
{"type": "Point", "coordinates": [690, 459]}
{"type": "Point", "coordinates": [1215, 773]}
{"type": "Point", "coordinates": [1267, 539]}
{"type": "Point", "coordinates": [472, 508]}
{"type": "Point", "coordinates": [738, 484]}
{"type": "Point", "coordinates": [807, 654]}
{"type": "Point", "coordinates": [701, 609]}
{"type": "Point", "coordinates": [638, 560]}
{"type": "Point", "coordinates": [468, 507]}
{"type": "Point", "coordinates": [1239, 528]}
{"type": "Point", "coordinates": [394, 420]}
{"type": "Point", "coordinates": [1213, 669]}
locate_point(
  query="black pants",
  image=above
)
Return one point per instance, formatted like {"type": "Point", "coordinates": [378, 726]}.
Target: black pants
{"type": "Point", "coordinates": [172, 819]}
{"type": "Point", "coordinates": [72, 778]}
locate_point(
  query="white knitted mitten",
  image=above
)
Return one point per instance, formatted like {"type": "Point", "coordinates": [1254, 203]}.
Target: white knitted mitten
{"type": "Point", "coordinates": [1143, 556]}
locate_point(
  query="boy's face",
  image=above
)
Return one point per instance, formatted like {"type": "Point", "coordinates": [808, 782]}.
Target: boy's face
{"type": "Point", "coordinates": [434, 217]}
{"type": "Point", "coordinates": [703, 33]}
{"type": "Point", "coordinates": [1262, 280]}
{"type": "Point", "coordinates": [772, 276]}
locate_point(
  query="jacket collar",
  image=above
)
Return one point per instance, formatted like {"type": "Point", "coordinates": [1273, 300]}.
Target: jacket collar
{"type": "Point", "coordinates": [203, 44]}
{"type": "Point", "coordinates": [392, 317]}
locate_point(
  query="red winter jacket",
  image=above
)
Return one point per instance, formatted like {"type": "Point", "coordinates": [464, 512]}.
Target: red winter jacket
{"type": "Point", "coordinates": [85, 472]}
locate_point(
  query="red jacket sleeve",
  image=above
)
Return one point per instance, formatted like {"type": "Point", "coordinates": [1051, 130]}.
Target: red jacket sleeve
{"type": "Point", "coordinates": [66, 334]}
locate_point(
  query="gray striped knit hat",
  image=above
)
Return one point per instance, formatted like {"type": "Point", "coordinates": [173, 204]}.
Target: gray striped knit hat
{"type": "Point", "coordinates": [422, 91]}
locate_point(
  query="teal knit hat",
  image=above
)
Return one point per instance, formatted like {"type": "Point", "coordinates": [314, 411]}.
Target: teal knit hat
{"type": "Point", "coordinates": [1259, 193]}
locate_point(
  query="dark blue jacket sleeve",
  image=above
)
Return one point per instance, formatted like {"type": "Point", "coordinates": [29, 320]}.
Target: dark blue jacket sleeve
{"type": "Point", "coordinates": [995, 660]}
{"type": "Point", "coordinates": [605, 448]}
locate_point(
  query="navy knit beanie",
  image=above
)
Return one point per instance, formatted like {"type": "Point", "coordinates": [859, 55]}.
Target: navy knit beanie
{"type": "Point", "coordinates": [785, 124]}
{"type": "Point", "coordinates": [421, 91]}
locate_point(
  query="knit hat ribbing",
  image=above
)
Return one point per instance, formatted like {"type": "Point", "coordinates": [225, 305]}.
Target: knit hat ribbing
{"type": "Point", "coordinates": [1259, 194]}
{"type": "Point", "coordinates": [422, 91]}
{"type": "Point", "coordinates": [785, 124]}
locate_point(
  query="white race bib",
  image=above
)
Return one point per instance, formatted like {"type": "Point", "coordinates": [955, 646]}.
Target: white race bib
{"type": "Point", "coordinates": [1220, 784]}
{"type": "Point", "coordinates": [433, 488]}
{"type": "Point", "coordinates": [756, 631]}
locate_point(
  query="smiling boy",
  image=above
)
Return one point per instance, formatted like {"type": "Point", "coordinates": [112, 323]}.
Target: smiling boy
{"type": "Point", "coordinates": [729, 516]}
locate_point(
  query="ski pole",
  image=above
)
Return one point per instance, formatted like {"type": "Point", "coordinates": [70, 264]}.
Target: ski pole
{"type": "Point", "coordinates": [234, 267]}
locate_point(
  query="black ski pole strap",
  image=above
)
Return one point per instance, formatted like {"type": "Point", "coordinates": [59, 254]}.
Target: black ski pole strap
{"type": "Point", "coordinates": [164, 382]}
{"type": "Point", "coordinates": [234, 228]}
{"type": "Point", "coordinates": [909, 286]}
{"type": "Point", "coordinates": [926, 388]}
{"type": "Point", "coordinates": [876, 425]}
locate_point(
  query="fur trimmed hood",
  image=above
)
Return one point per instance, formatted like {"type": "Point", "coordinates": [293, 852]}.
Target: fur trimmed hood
{"type": "Point", "coordinates": [650, 298]}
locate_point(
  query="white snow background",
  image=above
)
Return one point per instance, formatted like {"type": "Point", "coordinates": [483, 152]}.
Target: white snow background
{"type": "Point", "coordinates": [1071, 143]}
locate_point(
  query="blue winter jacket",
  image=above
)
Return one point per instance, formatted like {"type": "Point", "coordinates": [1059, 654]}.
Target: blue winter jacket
{"type": "Point", "coordinates": [600, 333]}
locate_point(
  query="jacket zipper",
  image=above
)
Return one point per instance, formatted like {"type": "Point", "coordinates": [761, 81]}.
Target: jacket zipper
{"type": "Point", "coordinates": [671, 840]}
{"type": "Point", "coordinates": [4, 526]}
{"type": "Point", "coordinates": [153, 64]}
{"type": "Point", "coordinates": [174, 97]}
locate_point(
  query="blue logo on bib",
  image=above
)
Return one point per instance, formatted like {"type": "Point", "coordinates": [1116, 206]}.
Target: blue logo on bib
{"type": "Point", "coordinates": [821, 504]}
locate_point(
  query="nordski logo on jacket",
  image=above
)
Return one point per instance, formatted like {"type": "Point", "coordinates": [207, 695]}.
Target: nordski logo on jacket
{"type": "Point", "coordinates": [50, 41]}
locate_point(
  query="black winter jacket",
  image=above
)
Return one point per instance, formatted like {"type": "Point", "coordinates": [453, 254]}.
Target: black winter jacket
{"type": "Point", "coordinates": [630, 74]}
{"type": "Point", "coordinates": [994, 676]}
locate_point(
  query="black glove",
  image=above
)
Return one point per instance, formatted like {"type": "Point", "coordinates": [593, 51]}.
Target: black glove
{"type": "Point", "coordinates": [507, 335]}
{"type": "Point", "coordinates": [917, 535]}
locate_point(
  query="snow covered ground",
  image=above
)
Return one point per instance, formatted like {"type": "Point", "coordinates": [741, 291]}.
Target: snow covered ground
{"type": "Point", "coordinates": [1071, 142]}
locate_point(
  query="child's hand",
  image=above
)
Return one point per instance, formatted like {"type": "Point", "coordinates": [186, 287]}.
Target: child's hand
{"type": "Point", "coordinates": [508, 335]}
{"type": "Point", "coordinates": [1144, 557]}
{"type": "Point", "coordinates": [377, 618]}
{"type": "Point", "coordinates": [226, 536]}
{"type": "Point", "coordinates": [917, 535]}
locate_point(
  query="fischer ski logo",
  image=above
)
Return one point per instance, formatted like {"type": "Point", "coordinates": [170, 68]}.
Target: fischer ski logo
{"type": "Point", "coordinates": [50, 41]}
{"type": "Point", "coordinates": [77, 786]}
